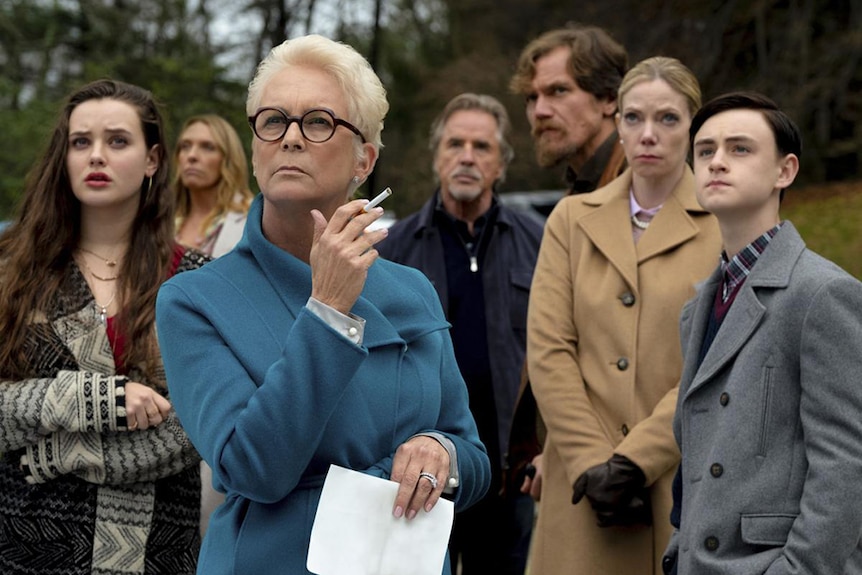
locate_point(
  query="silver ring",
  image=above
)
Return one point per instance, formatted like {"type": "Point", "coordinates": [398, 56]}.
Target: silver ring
{"type": "Point", "coordinates": [430, 477]}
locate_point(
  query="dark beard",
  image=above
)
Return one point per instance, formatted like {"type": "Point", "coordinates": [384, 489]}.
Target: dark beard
{"type": "Point", "coordinates": [553, 158]}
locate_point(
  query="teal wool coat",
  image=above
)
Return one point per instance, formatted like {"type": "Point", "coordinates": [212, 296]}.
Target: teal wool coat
{"type": "Point", "coordinates": [271, 395]}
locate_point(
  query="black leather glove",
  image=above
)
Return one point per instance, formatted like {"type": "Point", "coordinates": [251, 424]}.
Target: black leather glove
{"type": "Point", "coordinates": [616, 491]}
{"type": "Point", "coordinates": [637, 512]}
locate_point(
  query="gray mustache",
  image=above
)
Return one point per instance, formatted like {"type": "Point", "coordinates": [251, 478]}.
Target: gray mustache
{"type": "Point", "coordinates": [472, 172]}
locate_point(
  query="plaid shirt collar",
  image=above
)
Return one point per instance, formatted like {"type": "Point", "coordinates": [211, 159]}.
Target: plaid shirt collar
{"type": "Point", "coordinates": [737, 269]}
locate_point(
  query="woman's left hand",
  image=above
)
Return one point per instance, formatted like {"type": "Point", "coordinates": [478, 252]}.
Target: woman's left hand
{"type": "Point", "coordinates": [341, 253]}
{"type": "Point", "coordinates": [415, 463]}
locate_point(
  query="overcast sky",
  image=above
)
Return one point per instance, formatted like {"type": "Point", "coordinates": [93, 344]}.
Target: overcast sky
{"type": "Point", "coordinates": [235, 26]}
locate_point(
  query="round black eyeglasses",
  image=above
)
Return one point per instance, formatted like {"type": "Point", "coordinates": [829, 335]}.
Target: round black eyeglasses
{"type": "Point", "coordinates": [317, 125]}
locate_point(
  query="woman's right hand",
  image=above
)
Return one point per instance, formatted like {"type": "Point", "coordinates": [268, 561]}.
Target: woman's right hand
{"type": "Point", "coordinates": [341, 253]}
{"type": "Point", "coordinates": [421, 468]}
{"type": "Point", "coordinates": [145, 407]}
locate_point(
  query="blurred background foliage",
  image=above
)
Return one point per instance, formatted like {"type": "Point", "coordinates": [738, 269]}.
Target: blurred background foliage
{"type": "Point", "coordinates": [198, 56]}
{"type": "Point", "coordinates": [829, 217]}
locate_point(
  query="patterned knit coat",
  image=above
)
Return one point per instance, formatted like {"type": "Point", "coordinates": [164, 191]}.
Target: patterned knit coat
{"type": "Point", "coordinates": [79, 492]}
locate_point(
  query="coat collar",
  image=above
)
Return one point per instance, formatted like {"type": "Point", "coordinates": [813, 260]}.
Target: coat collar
{"type": "Point", "coordinates": [672, 226]}
{"type": "Point", "coordinates": [388, 307]}
{"type": "Point", "coordinates": [425, 215]}
{"type": "Point", "coordinates": [589, 177]}
{"type": "Point", "coordinates": [773, 270]}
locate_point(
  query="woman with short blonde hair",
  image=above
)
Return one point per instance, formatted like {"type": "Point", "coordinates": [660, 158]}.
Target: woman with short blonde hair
{"type": "Point", "coordinates": [301, 349]}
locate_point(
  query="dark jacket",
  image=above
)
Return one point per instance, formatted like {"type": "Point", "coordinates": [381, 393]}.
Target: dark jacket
{"type": "Point", "coordinates": [507, 271]}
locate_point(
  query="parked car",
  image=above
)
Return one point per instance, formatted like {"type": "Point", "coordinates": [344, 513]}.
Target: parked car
{"type": "Point", "coordinates": [538, 203]}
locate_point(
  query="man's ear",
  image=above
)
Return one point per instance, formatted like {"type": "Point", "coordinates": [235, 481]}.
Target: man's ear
{"type": "Point", "coordinates": [788, 167]}
{"type": "Point", "coordinates": [609, 107]}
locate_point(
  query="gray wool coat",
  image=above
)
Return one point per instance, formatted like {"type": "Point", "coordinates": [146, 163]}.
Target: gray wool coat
{"type": "Point", "coordinates": [770, 424]}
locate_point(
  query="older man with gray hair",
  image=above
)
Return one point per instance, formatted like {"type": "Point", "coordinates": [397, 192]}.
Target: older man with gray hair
{"type": "Point", "coordinates": [480, 257]}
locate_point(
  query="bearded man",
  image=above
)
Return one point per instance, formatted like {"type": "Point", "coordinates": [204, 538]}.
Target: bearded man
{"type": "Point", "coordinates": [569, 79]}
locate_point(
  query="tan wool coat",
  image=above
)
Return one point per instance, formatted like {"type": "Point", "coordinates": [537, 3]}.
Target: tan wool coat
{"type": "Point", "coordinates": [605, 361]}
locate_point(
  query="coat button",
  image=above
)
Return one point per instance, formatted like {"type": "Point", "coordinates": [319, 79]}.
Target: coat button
{"type": "Point", "coordinates": [711, 543]}
{"type": "Point", "coordinates": [716, 470]}
{"type": "Point", "coordinates": [724, 399]}
{"type": "Point", "coordinates": [628, 299]}
{"type": "Point", "coordinates": [622, 364]}
{"type": "Point", "coordinates": [625, 429]}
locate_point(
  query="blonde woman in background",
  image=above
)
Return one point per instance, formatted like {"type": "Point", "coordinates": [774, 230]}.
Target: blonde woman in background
{"type": "Point", "coordinates": [211, 185]}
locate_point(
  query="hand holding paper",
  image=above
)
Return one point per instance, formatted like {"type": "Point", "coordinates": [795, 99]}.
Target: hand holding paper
{"type": "Point", "coordinates": [355, 533]}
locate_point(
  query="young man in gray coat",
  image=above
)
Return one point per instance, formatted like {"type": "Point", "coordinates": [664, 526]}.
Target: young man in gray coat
{"type": "Point", "coordinates": [769, 415]}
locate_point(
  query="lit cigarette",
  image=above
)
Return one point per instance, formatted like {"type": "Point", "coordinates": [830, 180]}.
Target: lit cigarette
{"type": "Point", "coordinates": [377, 199]}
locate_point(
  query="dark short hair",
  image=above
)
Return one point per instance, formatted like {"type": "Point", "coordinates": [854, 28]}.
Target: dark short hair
{"type": "Point", "coordinates": [597, 62]}
{"type": "Point", "coordinates": [788, 139]}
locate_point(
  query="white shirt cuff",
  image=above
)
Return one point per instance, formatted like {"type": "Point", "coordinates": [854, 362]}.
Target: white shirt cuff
{"type": "Point", "coordinates": [350, 326]}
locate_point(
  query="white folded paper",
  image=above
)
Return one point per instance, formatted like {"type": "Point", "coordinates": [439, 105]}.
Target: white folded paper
{"type": "Point", "coordinates": [355, 533]}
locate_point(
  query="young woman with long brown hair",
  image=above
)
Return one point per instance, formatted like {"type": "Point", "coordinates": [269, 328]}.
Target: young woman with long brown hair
{"type": "Point", "coordinates": [97, 476]}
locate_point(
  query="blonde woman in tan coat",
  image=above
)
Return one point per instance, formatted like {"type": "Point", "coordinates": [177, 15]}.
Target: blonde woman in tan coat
{"type": "Point", "coordinates": [614, 270]}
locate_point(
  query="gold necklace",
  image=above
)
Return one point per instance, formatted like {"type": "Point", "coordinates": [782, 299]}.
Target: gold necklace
{"type": "Point", "coordinates": [98, 277]}
{"type": "Point", "coordinates": [108, 262]}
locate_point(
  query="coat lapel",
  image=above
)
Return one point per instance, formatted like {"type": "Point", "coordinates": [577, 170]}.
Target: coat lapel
{"type": "Point", "coordinates": [602, 226]}
{"type": "Point", "coordinates": [383, 304]}
{"type": "Point", "coordinates": [290, 281]}
{"type": "Point", "coordinates": [694, 322]}
{"type": "Point", "coordinates": [742, 320]}
{"type": "Point", "coordinates": [773, 270]}
{"type": "Point", "coordinates": [672, 225]}
{"type": "Point", "coordinates": [390, 310]}
{"type": "Point", "coordinates": [74, 321]}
